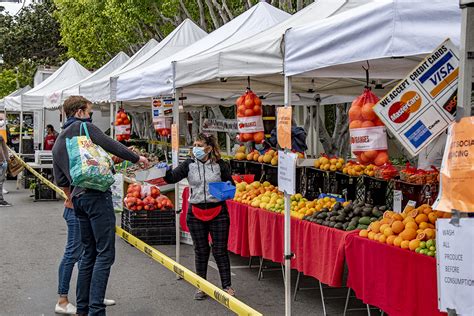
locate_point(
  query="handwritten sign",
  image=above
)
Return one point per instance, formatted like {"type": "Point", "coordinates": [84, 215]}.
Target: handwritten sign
{"type": "Point", "coordinates": [284, 127]}
{"type": "Point", "coordinates": [287, 171]}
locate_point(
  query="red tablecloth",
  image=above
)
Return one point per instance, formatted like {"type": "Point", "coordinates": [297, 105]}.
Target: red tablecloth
{"type": "Point", "coordinates": [238, 233]}
{"type": "Point", "coordinates": [398, 281]}
{"type": "Point", "coordinates": [319, 250]}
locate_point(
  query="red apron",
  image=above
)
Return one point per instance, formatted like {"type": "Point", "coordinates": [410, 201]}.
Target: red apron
{"type": "Point", "coordinates": [206, 214]}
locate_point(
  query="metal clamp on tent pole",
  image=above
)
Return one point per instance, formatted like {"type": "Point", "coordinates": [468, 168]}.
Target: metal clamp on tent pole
{"type": "Point", "coordinates": [367, 76]}
{"type": "Point", "coordinates": [290, 256]}
{"type": "Point", "coordinates": [455, 218]}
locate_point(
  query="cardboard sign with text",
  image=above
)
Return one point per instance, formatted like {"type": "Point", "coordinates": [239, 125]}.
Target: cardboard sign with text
{"type": "Point", "coordinates": [457, 170]}
{"type": "Point", "coordinates": [174, 137]}
{"type": "Point", "coordinates": [368, 138]}
{"type": "Point", "coordinates": [423, 104]}
{"type": "Point", "coordinates": [284, 127]}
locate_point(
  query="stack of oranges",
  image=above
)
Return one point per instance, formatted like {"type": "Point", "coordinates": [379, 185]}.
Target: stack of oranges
{"type": "Point", "coordinates": [407, 229]}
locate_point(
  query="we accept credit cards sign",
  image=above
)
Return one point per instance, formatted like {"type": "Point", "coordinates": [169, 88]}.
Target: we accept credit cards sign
{"type": "Point", "coordinates": [423, 104]}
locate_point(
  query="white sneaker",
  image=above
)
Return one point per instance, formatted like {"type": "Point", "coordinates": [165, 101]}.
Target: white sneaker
{"type": "Point", "coordinates": [5, 191]}
{"type": "Point", "coordinates": [68, 310]}
{"type": "Point", "coordinates": [108, 302]}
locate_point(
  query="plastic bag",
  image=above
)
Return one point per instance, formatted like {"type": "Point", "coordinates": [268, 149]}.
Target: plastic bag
{"type": "Point", "coordinates": [90, 166]}
{"type": "Point", "coordinates": [249, 118]}
{"type": "Point", "coordinates": [368, 134]}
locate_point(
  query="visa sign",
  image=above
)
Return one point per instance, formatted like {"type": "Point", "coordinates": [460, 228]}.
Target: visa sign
{"type": "Point", "coordinates": [440, 75]}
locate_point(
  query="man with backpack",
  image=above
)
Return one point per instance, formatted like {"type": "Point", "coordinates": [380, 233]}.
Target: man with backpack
{"type": "Point", "coordinates": [93, 208]}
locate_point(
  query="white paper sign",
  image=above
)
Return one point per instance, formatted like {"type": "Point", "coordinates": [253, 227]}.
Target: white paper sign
{"type": "Point", "coordinates": [455, 258]}
{"type": "Point", "coordinates": [122, 129]}
{"type": "Point", "coordinates": [423, 104]}
{"type": "Point", "coordinates": [287, 172]}
{"type": "Point", "coordinates": [369, 138]}
{"type": "Point", "coordinates": [397, 201]}
{"type": "Point", "coordinates": [250, 124]}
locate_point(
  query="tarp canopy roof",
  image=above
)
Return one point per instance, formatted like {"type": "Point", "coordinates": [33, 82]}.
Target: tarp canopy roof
{"type": "Point", "coordinates": [12, 95]}
{"type": "Point", "coordinates": [99, 89]}
{"type": "Point", "coordinates": [158, 79]}
{"type": "Point", "coordinates": [258, 55]}
{"type": "Point", "coordinates": [389, 36]}
{"type": "Point", "coordinates": [65, 76]}
{"type": "Point", "coordinates": [55, 99]}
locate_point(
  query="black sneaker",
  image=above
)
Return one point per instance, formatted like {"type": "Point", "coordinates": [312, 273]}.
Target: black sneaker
{"type": "Point", "coordinates": [4, 204]}
{"type": "Point", "coordinates": [200, 295]}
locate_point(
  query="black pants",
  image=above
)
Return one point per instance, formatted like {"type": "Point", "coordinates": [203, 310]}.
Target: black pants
{"type": "Point", "coordinates": [218, 227]}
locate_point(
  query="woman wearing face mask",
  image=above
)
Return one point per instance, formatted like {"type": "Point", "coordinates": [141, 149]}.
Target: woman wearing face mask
{"type": "Point", "coordinates": [206, 214]}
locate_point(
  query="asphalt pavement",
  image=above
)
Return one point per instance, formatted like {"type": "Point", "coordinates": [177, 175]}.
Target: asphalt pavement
{"type": "Point", "coordinates": [33, 236]}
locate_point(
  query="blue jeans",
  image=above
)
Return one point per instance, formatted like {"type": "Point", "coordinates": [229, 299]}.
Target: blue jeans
{"type": "Point", "coordinates": [72, 253]}
{"type": "Point", "coordinates": [97, 222]}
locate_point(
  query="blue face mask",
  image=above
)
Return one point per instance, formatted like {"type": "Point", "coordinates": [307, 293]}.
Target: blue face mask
{"type": "Point", "coordinates": [199, 153]}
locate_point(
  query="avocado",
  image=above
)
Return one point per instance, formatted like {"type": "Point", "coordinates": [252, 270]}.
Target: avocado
{"type": "Point", "coordinates": [331, 224]}
{"type": "Point", "coordinates": [341, 218]}
{"type": "Point", "coordinates": [326, 223]}
{"type": "Point", "coordinates": [348, 208]}
{"type": "Point", "coordinates": [333, 218]}
{"type": "Point", "coordinates": [364, 220]}
{"type": "Point", "coordinates": [377, 213]}
{"type": "Point", "coordinates": [362, 226]}
{"type": "Point", "coordinates": [337, 206]}
{"type": "Point", "coordinates": [338, 226]}
{"type": "Point", "coordinates": [355, 219]}
{"type": "Point", "coordinates": [382, 208]}
{"type": "Point", "coordinates": [319, 221]}
{"type": "Point", "coordinates": [350, 227]}
{"type": "Point", "coordinates": [345, 225]}
{"type": "Point", "coordinates": [325, 209]}
{"type": "Point", "coordinates": [373, 219]}
{"type": "Point", "coordinates": [367, 213]}
{"type": "Point", "coordinates": [357, 211]}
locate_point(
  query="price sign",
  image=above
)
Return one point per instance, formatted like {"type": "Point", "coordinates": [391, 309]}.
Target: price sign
{"type": "Point", "coordinates": [397, 201]}
{"type": "Point", "coordinates": [455, 255]}
{"type": "Point", "coordinates": [287, 171]}
{"type": "Point", "coordinates": [174, 137]}
{"type": "Point", "coordinates": [284, 127]}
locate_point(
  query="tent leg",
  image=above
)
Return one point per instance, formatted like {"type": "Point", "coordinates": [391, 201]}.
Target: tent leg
{"type": "Point", "coordinates": [466, 63]}
{"type": "Point", "coordinates": [316, 129]}
{"type": "Point", "coordinates": [175, 159]}
{"type": "Point", "coordinates": [112, 119]}
{"type": "Point", "coordinates": [287, 232]}
{"type": "Point", "coordinates": [20, 146]}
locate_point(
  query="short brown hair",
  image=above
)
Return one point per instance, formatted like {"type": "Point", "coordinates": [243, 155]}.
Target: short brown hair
{"type": "Point", "coordinates": [75, 103]}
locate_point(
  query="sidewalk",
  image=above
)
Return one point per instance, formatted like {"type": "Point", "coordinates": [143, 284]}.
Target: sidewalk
{"type": "Point", "coordinates": [33, 236]}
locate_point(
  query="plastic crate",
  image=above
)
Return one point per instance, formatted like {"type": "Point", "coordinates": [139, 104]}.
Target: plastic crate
{"type": "Point", "coordinates": [222, 190]}
{"type": "Point", "coordinates": [154, 236]}
{"type": "Point", "coordinates": [270, 174]}
{"type": "Point", "coordinates": [238, 167]}
{"type": "Point", "coordinates": [255, 168]}
{"type": "Point", "coordinates": [148, 219]}
{"type": "Point", "coordinates": [345, 185]}
{"type": "Point", "coordinates": [316, 183]}
{"type": "Point", "coordinates": [44, 193]}
{"type": "Point", "coordinates": [420, 193]}
{"type": "Point", "coordinates": [377, 191]}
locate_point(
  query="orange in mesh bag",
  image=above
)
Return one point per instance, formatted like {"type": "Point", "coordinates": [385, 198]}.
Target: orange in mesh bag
{"type": "Point", "coordinates": [368, 134]}
{"type": "Point", "coordinates": [249, 118]}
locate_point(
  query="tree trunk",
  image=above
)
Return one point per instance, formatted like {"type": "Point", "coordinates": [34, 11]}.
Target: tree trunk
{"type": "Point", "coordinates": [299, 5]}
{"type": "Point", "coordinates": [221, 12]}
{"type": "Point", "coordinates": [227, 10]}
{"type": "Point", "coordinates": [185, 10]}
{"type": "Point", "coordinates": [214, 18]}
{"type": "Point", "coordinates": [202, 15]}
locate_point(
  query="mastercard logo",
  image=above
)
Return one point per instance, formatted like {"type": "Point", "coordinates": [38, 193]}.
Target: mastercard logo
{"type": "Point", "coordinates": [400, 111]}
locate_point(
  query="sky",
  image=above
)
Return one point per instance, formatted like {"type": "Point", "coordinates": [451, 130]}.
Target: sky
{"type": "Point", "coordinates": [12, 7]}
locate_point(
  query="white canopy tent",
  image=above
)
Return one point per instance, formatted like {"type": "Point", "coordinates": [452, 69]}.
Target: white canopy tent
{"type": "Point", "coordinates": [65, 76]}
{"type": "Point", "coordinates": [55, 99]}
{"type": "Point", "coordinates": [99, 90]}
{"type": "Point", "coordinates": [259, 56]}
{"type": "Point", "coordinates": [158, 79]}
{"type": "Point", "coordinates": [12, 95]}
{"type": "Point", "coordinates": [392, 35]}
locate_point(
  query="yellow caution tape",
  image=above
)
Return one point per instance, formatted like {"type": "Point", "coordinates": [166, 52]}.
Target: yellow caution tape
{"type": "Point", "coordinates": [210, 289]}
{"type": "Point", "coordinates": [38, 175]}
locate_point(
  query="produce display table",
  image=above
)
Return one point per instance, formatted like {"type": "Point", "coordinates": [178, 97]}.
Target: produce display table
{"type": "Point", "coordinates": [398, 281]}
{"type": "Point", "coordinates": [319, 250]}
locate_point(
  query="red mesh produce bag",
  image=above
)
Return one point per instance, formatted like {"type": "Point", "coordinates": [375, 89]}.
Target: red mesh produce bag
{"type": "Point", "coordinates": [249, 118]}
{"type": "Point", "coordinates": [122, 126]}
{"type": "Point", "coordinates": [368, 134]}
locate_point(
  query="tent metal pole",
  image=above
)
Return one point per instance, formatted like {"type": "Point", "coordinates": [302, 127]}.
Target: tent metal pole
{"type": "Point", "coordinates": [316, 129]}
{"type": "Point", "coordinates": [175, 159]}
{"type": "Point", "coordinates": [20, 146]}
{"type": "Point", "coordinates": [112, 120]}
{"type": "Point", "coordinates": [287, 235]}
{"type": "Point", "coordinates": [44, 127]}
{"type": "Point", "coordinates": [466, 63]}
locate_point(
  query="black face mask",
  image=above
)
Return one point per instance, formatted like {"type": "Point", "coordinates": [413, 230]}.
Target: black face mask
{"type": "Point", "coordinates": [73, 119]}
